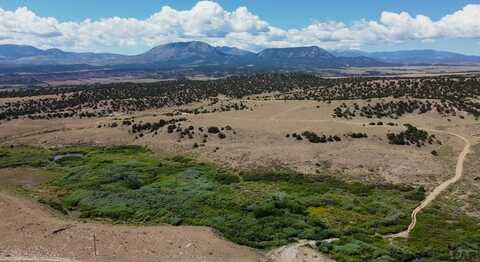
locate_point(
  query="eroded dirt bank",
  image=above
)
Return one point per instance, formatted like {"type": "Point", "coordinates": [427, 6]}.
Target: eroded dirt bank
{"type": "Point", "coordinates": [30, 231]}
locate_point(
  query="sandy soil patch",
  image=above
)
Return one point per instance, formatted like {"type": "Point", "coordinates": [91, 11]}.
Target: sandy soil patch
{"type": "Point", "coordinates": [31, 231]}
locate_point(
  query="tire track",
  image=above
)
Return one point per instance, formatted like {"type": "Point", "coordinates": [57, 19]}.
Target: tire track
{"type": "Point", "coordinates": [37, 259]}
{"type": "Point", "coordinates": [40, 132]}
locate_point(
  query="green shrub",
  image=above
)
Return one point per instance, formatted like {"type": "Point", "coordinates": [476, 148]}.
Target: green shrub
{"type": "Point", "coordinates": [312, 137]}
{"type": "Point", "coordinates": [225, 177]}
{"type": "Point", "coordinates": [213, 130]}
{"type": "Point", "coordinates": [411, 136]}
{"type": "Point", "coordinates": [54, 205]}
{"type": "Point", "coordinates": [119, 212]}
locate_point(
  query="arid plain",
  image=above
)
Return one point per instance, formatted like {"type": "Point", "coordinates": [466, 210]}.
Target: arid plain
{"type": "Point", "coordinates": [265, 133]}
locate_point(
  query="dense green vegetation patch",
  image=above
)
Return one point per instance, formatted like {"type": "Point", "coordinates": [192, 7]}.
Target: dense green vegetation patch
{"type": "Point", "coordinates": [262, 208]}
{"type": "Point", "coordinates": [24, 156]}
{"type": "Point", "coordinates": [445, 233]}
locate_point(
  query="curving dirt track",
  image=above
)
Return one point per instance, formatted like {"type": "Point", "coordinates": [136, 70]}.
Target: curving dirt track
{"type": "Point", "coordinates": [436, 191]}
{"type": "Point", "coordinates": [442, 187]}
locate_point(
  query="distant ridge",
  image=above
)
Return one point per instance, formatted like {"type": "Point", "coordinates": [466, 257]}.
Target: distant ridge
{"type": "Point", "coordinates": [310, 52]}
{"type": "Point", "coordinates": [414, 57]}
{"type": "Point", "coordinates": [198, 54]}
{"type": "Point", "coordinates": [21, 55]}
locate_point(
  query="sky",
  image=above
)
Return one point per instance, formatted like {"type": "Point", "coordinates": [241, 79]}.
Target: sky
{"type": "Point", "coordinates": [131, 27]}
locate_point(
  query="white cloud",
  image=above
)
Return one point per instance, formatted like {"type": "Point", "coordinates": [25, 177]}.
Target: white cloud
{"type": "Point", "coordinates": [208, 21]}
{"type": "Point", "coordinates": [464, 23]}
{"type": "Point", "coordinates": [24, 25]}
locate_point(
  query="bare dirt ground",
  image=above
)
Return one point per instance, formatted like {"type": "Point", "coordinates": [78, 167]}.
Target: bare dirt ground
{"type": "Point", "coordinates": [300, 251]}
{"type": "Point", "coordinates": [31, 232]}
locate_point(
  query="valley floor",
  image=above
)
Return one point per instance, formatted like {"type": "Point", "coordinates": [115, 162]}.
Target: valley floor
{"type": "Point", "coordinates": [259, 142]}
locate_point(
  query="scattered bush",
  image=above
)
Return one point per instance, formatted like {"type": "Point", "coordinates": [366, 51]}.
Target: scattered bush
{"type": "Point", "coordinates": [313, 137]}
{"type": "Point", "coordinates": [213, 130]}
{"type": "Point", "coordinates": [411, 136]}
{"type": "Point", "coordinates": [357, 135]}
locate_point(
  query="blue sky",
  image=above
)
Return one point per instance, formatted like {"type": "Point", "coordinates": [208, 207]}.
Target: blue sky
{"type": "Point", "coordinates": [284, 15]}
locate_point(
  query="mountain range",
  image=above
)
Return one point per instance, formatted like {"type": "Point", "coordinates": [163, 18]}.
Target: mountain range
{"type": "Point", "coordinates": [202, 55]}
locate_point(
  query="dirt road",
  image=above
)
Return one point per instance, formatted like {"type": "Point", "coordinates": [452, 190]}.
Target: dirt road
{"type": "Point", "coordinates": [297, 252]}
{"type": "Point", "coordinates": [442, 187]}
{"type": "Point", "coordinates": [430, 197]}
